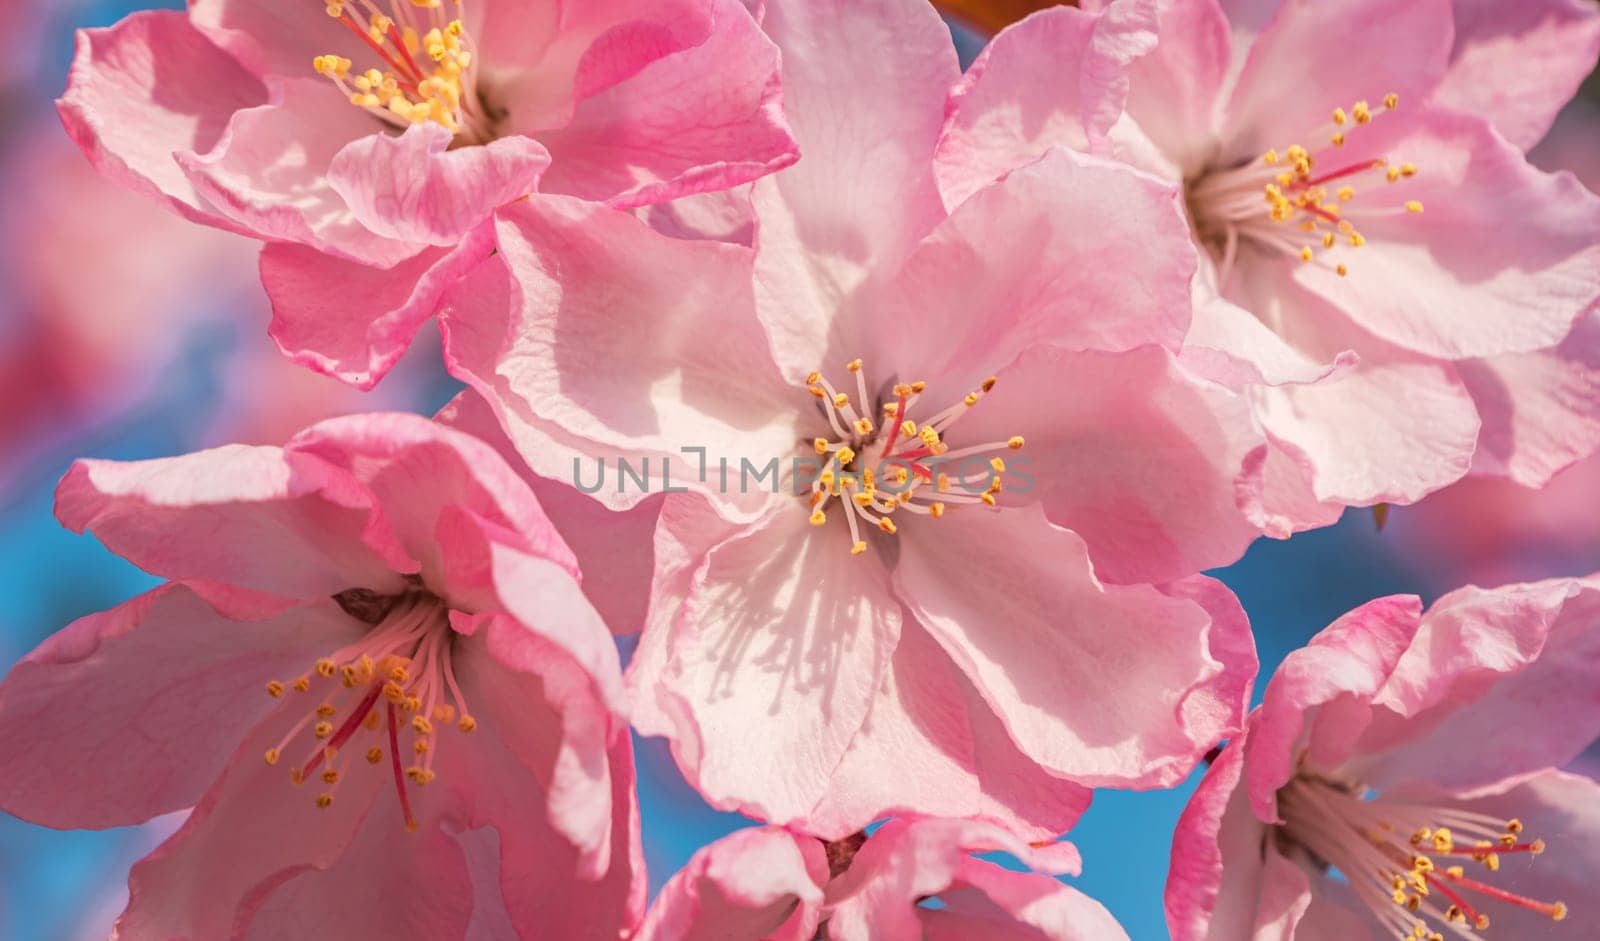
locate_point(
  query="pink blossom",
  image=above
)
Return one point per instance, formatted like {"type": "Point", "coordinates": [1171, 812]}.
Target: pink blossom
{"type": "Point", "coordinates": [1377, 266]}
{"type": "Point", "coordinates": [821, 652]}
{"type": "Point", "coordinates": [373, 676]}
{"type": "Point", "coordinates": [367, 142]}
{"type": "Point", "coordinates": [1399, 779]}
{"type": "Point", "coordinates": [783, 885]}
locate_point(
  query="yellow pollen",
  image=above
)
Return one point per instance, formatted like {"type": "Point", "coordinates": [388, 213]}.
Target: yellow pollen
{"type": "Point", "coordinates": [1270, 158]}
{"type": "Point", "coordinates": [330, 776]}
{"type": "Point", "coordinates": [1413, 206]}
{"type": "Point", "coordinates": [1337, 139]}
{"type": "Point", "coordinates": [846, 456]}
{"type": "Point", "coordinates": [467, 724]}
{"type": "Point", "coordinates": [854, 365]}
{"type": "Point", "coordinates": [1391, 101]}
{"type": "Point", "coordinates": [988, 384]}
{"type": "Point", "coordinates": [324, 801]}
{"type": "Point", "coordinates": [1558, 911]}
{"type": "Point", "coordinates": [325, 668]}
{"type": "Point", "coordinates": [1306, 254]}
{"type": "Point", "coordinates": [1342, 269]}
{"type": "Point", "coordinates": [1339, 116]}
{"type": "Point", "coordinates": [821, 445]}
{"type": "Point", "coordinates": [302, 684]}
{"type": "Point", "coordinates": [858, 548]}
{"type": "Point", "coordinates": [374, 755]}
{"type": "Point", "coordinates": [1014, 442]}
{"type": "Point", "coordinates": [1361, 112]}
{"type": "Point", "coordinates": [274, 689]}
{"type": "Point", "coordinates": [988, 499]}
{"type": "Point", "coordinates": [323, 729]}
{"type": "Point", "coordinates": [887, 525]}
{"type": "Point", "coordinates": [422, 725]}
{"type": "Point", "coordinates": [272, 756]}
{"type": "Point", "coordinates": [840, 400]}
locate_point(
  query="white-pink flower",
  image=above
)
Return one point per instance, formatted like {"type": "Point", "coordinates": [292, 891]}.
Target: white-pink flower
{"type": "Point", "coordinates": [372, 673]}
{"type": "Point", "coordinates": [366, 141]}
{"type": "Point", "coordinates": [784, 885]}
{"type": "Point", "coordinates": [1400, 780]}
{"type": "Point", "coordinates": [1388, 272]}
{"type": "Point", "coordinates": [1007, 609]}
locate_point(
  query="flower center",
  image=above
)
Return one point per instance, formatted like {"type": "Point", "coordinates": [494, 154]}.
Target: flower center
{"type": "Point", "coordinates": [1289, 203]}
{"type": "Point", "coordinates": [1407, 861]}
{"type": "Point", "coordinates": [428, 69]}
{"type": "Point", "coordinates": [396, 682]}
{"type": "Point", "coordinates": [875, 473]}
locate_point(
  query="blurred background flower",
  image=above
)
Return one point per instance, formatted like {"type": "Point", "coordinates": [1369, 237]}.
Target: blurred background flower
{"type": "Point", "coordinates": [126, 332]}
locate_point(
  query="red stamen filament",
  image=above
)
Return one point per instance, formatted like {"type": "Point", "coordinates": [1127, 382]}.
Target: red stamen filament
{"type": "Point", "coordinates": [381, 51]}
{"type": "Point", "coordinates": [399, 773]}
{"type": "Point", "coordinates": [344, 731]}
{"type": "Point", "coordinates": [1510, 898]}
{"type": "Point", "coordinates": [1476, 919]}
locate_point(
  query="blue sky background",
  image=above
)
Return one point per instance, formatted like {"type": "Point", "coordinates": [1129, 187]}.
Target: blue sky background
{"type": "Point", "coordinates": [50, 879]}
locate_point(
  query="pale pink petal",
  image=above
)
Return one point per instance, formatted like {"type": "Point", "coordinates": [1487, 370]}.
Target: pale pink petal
{"type": "Point", "coordinates": [1563, 809]}
{"type": "Point", "coordinates": [1216, 861]}
{"type": "Point", "coordinates": [1056, 79]}
{"type": "Point", "coordinates": [246, 516]}
{"type": "Point", "coordinates": [199, 885]}
{"type": "Point", "coordinates": [1176, 90]}
{"type": "Point", "coordinates": [1288, 492]}
{"type": "Point", "coordinates": [1492, 667]}
{"type": "Point", "coordinates": [1503, 258]}
{"type": "Point", "coordinates": [549, 59]}
{"type": "Point", "coordinates": [1363, 449]}
{"type": "Point", "coordinates": [864, 85]}
{"type": "Point", "coordinates": [427, 479]}
{"type": "Point", "coordinates": [707, 118]}
{"type": "Point", "coordinates": [133, 712]}
{"type": "Point", "coordinates": [613, 548]}
{"type": "Point", "coordinates": [1313, 57]}
{"type": "Point", "coordinates": [1229, 344]}
{"type": "Point", "coordinates": [1516, 64]}
{"type": "Point", "coordinates": [1156, 470]}
{"type": "Point", "coordinates": [548, 767]}
{"type": "Point", "coordinates": [776, 655]}
{"type": "Point", "coordinates": [635, 344]}
{"type": "Point", "coordinates": [932, 745]}
{"type": "Point", "coordinates": [1285, 896]}
{"type": "Point", "coordinates": [413, 187]}
{"type": "Point", "coordinates": [149, 87]}
{"type": "Point", "coordinates": [992, 903]}
{"type": "Point", "coordinates": [1321, 697]}
{"type": "Point", "coordinates": [359, 895]}
{"type": "Point", "coordinates": [1107, 267]}
{"type": "Point", "coordinates": [1077, 698]}
{"type": "Point", "coordinates": [269, 173]}
{"type": "Point", "coordinates": [908, 859]}
{"type": "Point", "coordinates": [353, 321]}
{"type": "Point", "coordinates": [277, 40]}
{"type": "Point", "coordinates": [749, 884]}
{"type": "Point", "coordinates": [1540, 411]}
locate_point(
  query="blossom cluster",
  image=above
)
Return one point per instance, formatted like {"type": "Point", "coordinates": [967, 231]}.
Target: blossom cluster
{"type": "Point", "coordinates": [921, 400]}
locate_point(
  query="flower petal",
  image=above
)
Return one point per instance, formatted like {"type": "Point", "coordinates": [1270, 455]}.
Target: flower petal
{"type": "Point", "coordinates": [631, 344]}
{"type": "Point", "coordinates": [1503, 259]}
{"type": "Point", "coordinates": [779, 649]}
{"type": "Point", "coordinates": [1078, 699]}
{"type": "Point", "coordinates": [1156, 470]}
{"type": "Point", "coordinates": [140, 707]}
{"type": "Point", "coordinates": [1540, 411]}
{"type": "Point", "coordinates": [1322, 694]}
{"type": "Point", "coordinates": [1107, 267]}
{"type": "Point", "coordinates": [1492, 667]}
{"type": "Point", "coordinates": [992, 903]}
{"type": "Point", "coordinates": [353, 321]}
{"type": "Point", "coordinates": [146, 88]}
{"type": "Point", "coordinates": [246, 516]}
{"type": "Point", "coordinates": [613, 549]}
{"type": "Point", "coordinates": [1358, 50]}
{"type": "Point", "coordinates": [199, 885]}
{"type": "Point", "coordinates": [269, 173]}
{"type": "Point", "coordinates": [412, 188]}
{"type": "Point", "coordinates": [1359, 447]}
{"type": "Point", "coordinates": [1176, 90]}
{"type": "Point", "coordinates": [1516, 64]}
{"type": "Point", "coordinates": [761, 882]}
{"type": "Point", "coordinates": [1056, 79]}
{"type": "Point", "coordinates": [910, 858]}
{"type": "Point", "coordinates": [931, 745]}
{"type": "Point", "coordinates": [706, 118]}
{"type": "Point", "coordinates": [864, 85]}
